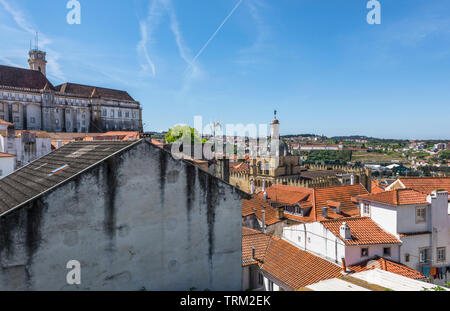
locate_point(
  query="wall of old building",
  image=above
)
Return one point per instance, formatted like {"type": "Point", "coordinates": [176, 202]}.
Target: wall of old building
{"type": "Point", "coordinates": [139, 220]}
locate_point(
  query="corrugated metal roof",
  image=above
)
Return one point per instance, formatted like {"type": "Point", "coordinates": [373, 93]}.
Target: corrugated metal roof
{"type": "Point", "coordinates": [53, 169]}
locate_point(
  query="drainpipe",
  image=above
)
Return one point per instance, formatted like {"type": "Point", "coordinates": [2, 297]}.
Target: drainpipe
{"type": "Point", "coordinates": [264, 221]}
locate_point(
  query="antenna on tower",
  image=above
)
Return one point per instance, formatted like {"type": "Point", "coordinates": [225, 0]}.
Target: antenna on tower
{"type": "Point", "coordinates": [37, 41]}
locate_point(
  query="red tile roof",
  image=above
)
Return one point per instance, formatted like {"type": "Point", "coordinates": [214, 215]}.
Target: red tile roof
{"type": "Point", "coordinates": [255, 206]}
{"type": "Point", "coordinates": [364, 231]}
{"type": "Point", "coordinates": [288, 194]}
{"type": "Point", "coordinates": [318, 198]}
{"type": "Point", "coordinates": [397, 197]}
{"type": "Point", "coordinates": [375, 188]}
{"type": "Point", "coordinates": [426, 184]}
{"type": "Point", "coordinates": [281, 260]}
{"type": "Point", "coordinates": [3, 122]}
{"type": "Point", "coordinates": [6, 155]}
{"type": "Point", "coordinates": [387, 265]}
{"type": "Point", "coordinates": [239, 167]}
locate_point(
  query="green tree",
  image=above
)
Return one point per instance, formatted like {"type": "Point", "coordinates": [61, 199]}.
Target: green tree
{"type": "Point", "coordinates": [180, 132]}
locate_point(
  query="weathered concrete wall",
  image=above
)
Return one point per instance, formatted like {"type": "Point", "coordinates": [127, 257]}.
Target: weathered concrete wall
{"type": "Point", "coordinates": [139, 220]}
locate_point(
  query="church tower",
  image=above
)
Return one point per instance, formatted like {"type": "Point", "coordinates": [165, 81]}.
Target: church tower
{"type": "Point", "coordinates": [275, 128]}
{"type": "Point", "coordinates": [37, 61]}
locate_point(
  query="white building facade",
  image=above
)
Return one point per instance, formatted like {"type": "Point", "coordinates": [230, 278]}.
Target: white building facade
{"type": "Point", "coordinates": [423, 226]}
{"type": "Point", "coordinates": [30, 101]}
{"type": "Point", "coordinates": [317, 238]}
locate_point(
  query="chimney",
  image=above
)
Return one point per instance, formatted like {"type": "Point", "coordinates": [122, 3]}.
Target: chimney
{"type": "Point", "coordinates": [265, 196]}
{"type": "Point", "coordinates": [339, 209]}
{"type": "Point", "coordinates": [263, 221]}
{"type": "Point", "coordinates": [264, 185]}
{"type": "Point", "coordinates": [345, 232]}
{"type": "Point", "coordinates": [59, 144]}
{"type": "Point", "coordinates": [325, 212]}
{"type": "Point", "coordinates": [253, 254]}
{"type": "Point", "coordinates": [352, 179]}
{"type": "Point", "coordinates": [252, 187]}
{"type": "Point", "coordinates": [344, 265]}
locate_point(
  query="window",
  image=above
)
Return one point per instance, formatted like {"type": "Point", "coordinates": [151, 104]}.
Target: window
{"type": "Point", "coordinates": [406, 257]}
{"type": "Point", "coordinates": [119, 113]}
{"type": "Point", "coordinates": [56, 121]}
{"type": "Point", "coordinates": [84, 116]}
{"type": "Point", "coordinates": [68, 111]}
{"type": "Point", "coordinates": [33, 120]}
{"type": "Point", "coordinates": [423, 255]}
{"type": "Point", "coordinates": [299, 238]}
{"type": "Point", "coordinates": [16, 120]}
{"type": "Point", "coordinates": [112, 113]}
{"type": "Point", "coordinates": [420, 214]}
{"type": "Point", "coordinates": [387, 251]}
{"type": "Point", "coordinates": [127, 114]}
{"type": "Point", "coordinates": [104, 112]}
{"type": "Point", "coordinates": [134, 115]}
{"type": "Point", "coordinates": [441, 253]}
{"type": "Point", "coordinates": [366, 209]}
{"type": "Point", "coordinates": [364, 252]}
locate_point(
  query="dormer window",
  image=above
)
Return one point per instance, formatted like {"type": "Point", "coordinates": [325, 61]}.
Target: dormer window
{"type": "Point", "coordinates": [421, 215]}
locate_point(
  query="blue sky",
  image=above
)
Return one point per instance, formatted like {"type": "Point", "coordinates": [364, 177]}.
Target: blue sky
{"type": "Point", "coordinates": [317, 62]}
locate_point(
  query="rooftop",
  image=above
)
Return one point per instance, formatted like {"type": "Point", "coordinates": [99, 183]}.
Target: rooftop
{"type": "Point", "coordinates": [373, 280]}
{"type": "Point", "coordinates": [317, 198]}
{"type": "Point", "coordinates": [364, 231]}
{"type": "Point", "coordinates": [6, 155]}
{"type": "Point", "coordinates": [93, 91]}
{"type": "Point", "coordinates": [397, 197]}
{"type": "Point", "coordinates": [387, 265]}
{"type": "Point", "coordinates": [255, 206]}
{"type": "Point", "coordinates": [426, 184]}
{"type": "Point", "coordinates": [23, 78]}
{"type": "Point", "coordinates": [292, 266]}
{"type": "Point", "coordinates": [53, 169]}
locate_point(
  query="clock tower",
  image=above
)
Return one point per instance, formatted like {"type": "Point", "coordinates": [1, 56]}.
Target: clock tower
{"type": "Point", "coordinates": [37, 61]}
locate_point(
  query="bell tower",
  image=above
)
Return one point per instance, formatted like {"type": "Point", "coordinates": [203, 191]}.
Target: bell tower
{"type": "Point", "coordinates": [37, 59]}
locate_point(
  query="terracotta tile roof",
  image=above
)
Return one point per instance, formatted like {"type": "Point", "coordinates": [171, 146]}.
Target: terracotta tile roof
{"type": "Point", "coordinates": [375, 188]}
{"type": "Point", "coordinates": [318, 198]}
{"type": "Point", "coordinates": [23, 78]}
{"type": "Point", "coordinates": [342, 194]}
{"type": "Point", "coordinates": [239, 167]}
{"type": "Point", "coordinates": [387, 265]}
{"type": "Point", "coordinates": [397, 197]}
{"type": "Point", "coordinates": [93, 91]}
{"type": "Point", "coordinates": [3, 122]}
{"type": "Point", "coordinates": [283, 261]}
{"type": "Point", "coordinates": [288, 194]}
{"type": "Point", "coordinates": [255, 206]}
{"type": "Point", "coordinates": [364, 231]}
{"type": "Point", "coordinates": [6, 155]}
{"type": "Point", "coordinates": [426, 184]}
{"type": "Point", "coordinates": [121, 135]}
{"type": "Point", "coordinates": [256, 239]}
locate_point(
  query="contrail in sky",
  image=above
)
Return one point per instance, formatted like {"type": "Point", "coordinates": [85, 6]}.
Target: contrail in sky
{"type": "Point", "coordinates": [215, 33]}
